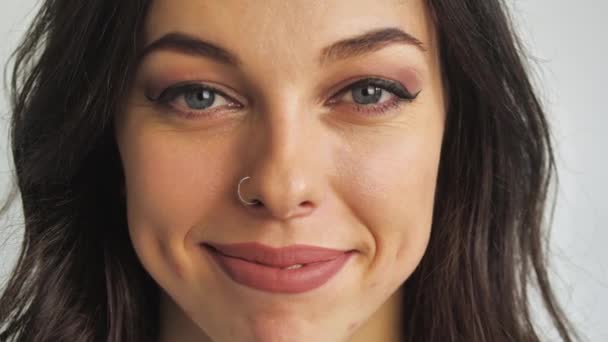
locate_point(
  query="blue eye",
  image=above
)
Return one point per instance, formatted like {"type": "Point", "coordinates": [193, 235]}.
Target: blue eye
{"type": "Point", "coordinates": [367, 94]}
{"type": "Point", "coordinates": [200, 99]}
{"type": "Point", "coordinates": [370, 90]}
{"type": "Point", "coordinates": [375, 96]}
{"type": "Point", "coordinates": [193, 97]}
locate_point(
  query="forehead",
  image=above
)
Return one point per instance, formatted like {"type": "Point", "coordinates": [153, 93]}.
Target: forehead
{"type": "Point", "coordinates": [287, 33]}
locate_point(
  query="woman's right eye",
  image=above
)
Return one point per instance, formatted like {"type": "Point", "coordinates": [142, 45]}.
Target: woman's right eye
{"type": "Point", "coordinates": [193, 100]}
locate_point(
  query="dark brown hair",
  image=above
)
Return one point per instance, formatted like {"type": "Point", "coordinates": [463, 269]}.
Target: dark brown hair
{"type": "Point", "coordinates": [78, 279]}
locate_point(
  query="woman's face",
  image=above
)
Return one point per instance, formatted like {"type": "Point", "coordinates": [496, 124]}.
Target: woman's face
{"type": "Point", "coordinates": [335, 162]}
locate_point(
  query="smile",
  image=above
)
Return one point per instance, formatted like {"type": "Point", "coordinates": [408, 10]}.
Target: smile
{"type": "Point", "coordinates": [293, 269]}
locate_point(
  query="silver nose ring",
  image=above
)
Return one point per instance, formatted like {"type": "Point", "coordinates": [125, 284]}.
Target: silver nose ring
{"type": "Point", "coordinates": [238, 192]}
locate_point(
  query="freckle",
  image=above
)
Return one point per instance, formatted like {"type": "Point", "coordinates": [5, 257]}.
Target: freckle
{"type": "Point", "coordinates": [352, 326]}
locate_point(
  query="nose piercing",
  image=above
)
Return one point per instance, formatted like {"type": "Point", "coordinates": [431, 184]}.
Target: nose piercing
{"type": "Point", "coordinates": [238, 192]}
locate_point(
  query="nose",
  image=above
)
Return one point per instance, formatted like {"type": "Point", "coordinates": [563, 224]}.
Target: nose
{"type": "Point", "coordinates": [284, 169]}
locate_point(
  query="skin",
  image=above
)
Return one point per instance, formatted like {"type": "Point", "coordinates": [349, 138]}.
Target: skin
{"type": "Point", "coordinates": [327, 175]}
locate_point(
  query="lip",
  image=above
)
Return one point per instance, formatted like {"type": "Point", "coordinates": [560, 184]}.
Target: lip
{"type": "Point", "coordinates": [264, 268]}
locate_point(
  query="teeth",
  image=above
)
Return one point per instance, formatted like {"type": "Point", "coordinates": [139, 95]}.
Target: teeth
{"type": "Point", "coordinates": [292, 267]}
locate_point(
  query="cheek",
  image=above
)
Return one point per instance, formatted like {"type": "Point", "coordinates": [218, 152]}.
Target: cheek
{"type": "Point", "coordinates": [392, 188]}
{"type": "Point", "coordinates": [167, 180]}
{"type": "Point", "coordinates": [170, 186]}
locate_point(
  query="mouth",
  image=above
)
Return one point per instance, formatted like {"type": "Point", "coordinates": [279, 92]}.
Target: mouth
{"type": "Point", "coordinates": [292, 269]}
{"type": "Point", "coordinates": [290, 256]}
{"type": "Point", "coordinates": [252, 260]}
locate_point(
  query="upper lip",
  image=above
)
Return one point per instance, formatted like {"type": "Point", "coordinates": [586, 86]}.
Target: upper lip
{"type": "Point", "coordinates": [276, 257]}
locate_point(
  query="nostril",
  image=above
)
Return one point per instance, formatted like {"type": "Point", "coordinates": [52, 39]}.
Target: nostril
{"type": "Point", "coordinates": [306, 204]}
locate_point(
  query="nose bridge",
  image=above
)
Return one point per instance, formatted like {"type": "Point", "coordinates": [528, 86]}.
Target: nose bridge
{"type": "Point", "coordinates": [283, 176]}
{"type": "Point", "coordinates": [286, 127]}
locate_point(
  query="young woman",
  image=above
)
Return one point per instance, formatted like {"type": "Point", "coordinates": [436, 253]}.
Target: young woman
{"type": "Point", "coordinates": [277, 171]}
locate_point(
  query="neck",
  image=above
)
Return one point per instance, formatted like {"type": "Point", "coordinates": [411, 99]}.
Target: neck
{"type": "Point", "coordinates": [385, 324]}
{"type": "Point", "coordinates": [175, 325]}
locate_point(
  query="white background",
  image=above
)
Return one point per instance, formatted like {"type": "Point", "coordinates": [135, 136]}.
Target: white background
{"type": "Point", "coordinates": [568, 44]}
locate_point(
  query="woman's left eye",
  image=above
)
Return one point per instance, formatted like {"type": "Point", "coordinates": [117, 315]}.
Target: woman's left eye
{"type": "Point", "coordinates": [374, 96]}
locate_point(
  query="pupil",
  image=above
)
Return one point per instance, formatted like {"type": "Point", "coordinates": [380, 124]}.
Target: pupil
{"type": "Point", "coordinates": [200, 99]}
{"type": "Point", "coordinates": [367, 95]}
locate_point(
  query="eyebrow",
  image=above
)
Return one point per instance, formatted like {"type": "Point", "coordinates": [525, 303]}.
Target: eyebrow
{"type": "Point", "coordinates": [365, 43]}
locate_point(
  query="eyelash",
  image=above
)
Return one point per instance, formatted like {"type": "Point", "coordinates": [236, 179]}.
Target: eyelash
{"type": "Point", "coordinates": [399, 93]}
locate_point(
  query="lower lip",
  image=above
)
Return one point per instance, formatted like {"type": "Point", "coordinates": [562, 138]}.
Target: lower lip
{"type": "Point", "coordinates": [272, 279]}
